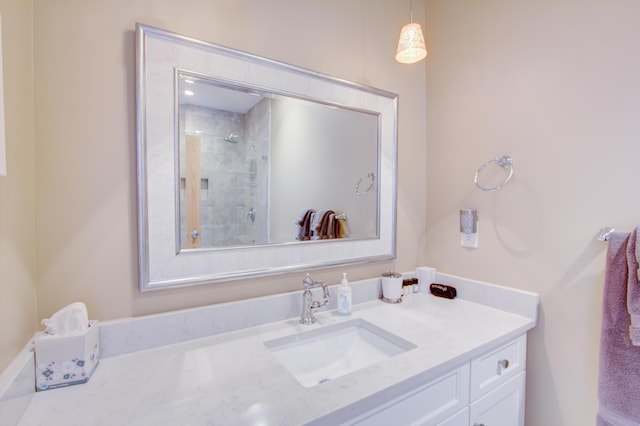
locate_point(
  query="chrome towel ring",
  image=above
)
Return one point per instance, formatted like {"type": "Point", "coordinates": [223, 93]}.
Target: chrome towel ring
{"type": "Point", "coordinates": [505, 162]}
{"type": "Point", "coordinates": [371, 178]}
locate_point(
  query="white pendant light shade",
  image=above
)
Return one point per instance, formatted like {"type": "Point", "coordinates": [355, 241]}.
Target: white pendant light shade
{"type": "Point", "coordinates": [411, 46]}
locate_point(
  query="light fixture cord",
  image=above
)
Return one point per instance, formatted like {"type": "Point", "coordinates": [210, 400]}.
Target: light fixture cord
{"type": "Point", "coordinates": [411, 11]}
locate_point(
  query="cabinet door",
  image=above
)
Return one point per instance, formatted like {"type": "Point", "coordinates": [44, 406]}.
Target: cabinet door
{"type": "Point", "coordinates": [461, 418]}
{"type": "Point", "coordinates": [504, 406]}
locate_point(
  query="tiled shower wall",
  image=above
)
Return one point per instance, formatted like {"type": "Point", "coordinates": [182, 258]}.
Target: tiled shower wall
{"type": "Point", "coordinates": [234, 175]}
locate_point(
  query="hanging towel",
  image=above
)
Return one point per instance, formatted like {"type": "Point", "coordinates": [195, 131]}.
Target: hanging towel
{"type": "Point", "coordinates": [326, 228]}
{"type": "Point", "coordinates": [316, 219]}
{"type": "Point", "coordinates": [341, 227]}
{"type": "Point", "coordinates": [337, 227]}
{"type": "Point", "coordinates": [300, 222]}
{"type": "Point", "coordinates": [633, 286]}
{"type": "Point", "coordinates": [304, 224]}
{"type": "Point", "coordinates": [319, 224]}
{"type": "Point", "coordinates": [619, 371]}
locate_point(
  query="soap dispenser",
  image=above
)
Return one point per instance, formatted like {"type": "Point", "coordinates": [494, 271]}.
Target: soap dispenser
{"type": "Point", "coordinates": [344, 296]}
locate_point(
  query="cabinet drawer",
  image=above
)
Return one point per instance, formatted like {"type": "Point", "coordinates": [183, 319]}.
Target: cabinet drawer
{"type": "Point", "coordinates": [426, 405]}
{"type": "Point", "coordinates": [497, 366]}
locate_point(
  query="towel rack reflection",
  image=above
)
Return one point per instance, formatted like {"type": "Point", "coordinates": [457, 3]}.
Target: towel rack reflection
{"type": "Point", "coordinates": [603, 234]}
{"type": "Point", "coordinates": [371, 177]}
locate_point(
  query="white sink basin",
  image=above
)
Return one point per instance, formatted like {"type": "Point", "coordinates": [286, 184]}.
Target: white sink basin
{"type": "Point", "coordinates": [319, 355]}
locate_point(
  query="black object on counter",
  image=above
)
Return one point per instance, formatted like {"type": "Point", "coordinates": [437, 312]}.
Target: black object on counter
{"type": "Point", "coordinates": [443, 290]}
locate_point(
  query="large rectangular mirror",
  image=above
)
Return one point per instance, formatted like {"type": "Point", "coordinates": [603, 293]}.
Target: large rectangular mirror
{"type": "Point", "coordinates": [249, 166]}
{"type": "Point", "coordinates": [251, 162]}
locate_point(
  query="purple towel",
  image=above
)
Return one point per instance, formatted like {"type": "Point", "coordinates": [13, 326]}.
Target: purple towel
{"type": "Point", "coordinates": [633, 286]}
{"type": "Point", "coordinates": [619, 375]}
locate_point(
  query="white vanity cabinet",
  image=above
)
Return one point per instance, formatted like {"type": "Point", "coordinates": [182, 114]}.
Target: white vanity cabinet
{"type": "Point", "coordinates": [461, 418]}
{"type": "Point", "coordinates": [467, 367]}
{"type": "Point", "coordinates": [498, 386]}
{"type": "Point", "coordinates": [426, 405]}
{"type": "Point", "coordinates": [487, 391]}
{"type": "Point", "coordinates": [503, 406]}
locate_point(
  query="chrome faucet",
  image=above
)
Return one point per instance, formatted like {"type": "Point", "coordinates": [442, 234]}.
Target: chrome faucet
{"type": "Point", "coordinates": [308, 304]}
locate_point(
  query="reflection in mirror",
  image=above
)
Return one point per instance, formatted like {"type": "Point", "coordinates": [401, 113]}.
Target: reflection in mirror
{"type": "Point", "coordinates": [261, 168]}
{"type": "Point", "coordinates": [228, 181]}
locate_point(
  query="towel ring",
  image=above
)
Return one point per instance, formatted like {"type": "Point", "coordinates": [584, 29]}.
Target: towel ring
{"type": "Point", "coordinates": [505, 162]}
{"type": "Point", "coordinates": [371, 177]}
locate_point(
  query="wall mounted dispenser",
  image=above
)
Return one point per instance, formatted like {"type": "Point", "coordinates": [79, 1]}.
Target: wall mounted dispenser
{"type": "Point", "coordinates": [469, 228]}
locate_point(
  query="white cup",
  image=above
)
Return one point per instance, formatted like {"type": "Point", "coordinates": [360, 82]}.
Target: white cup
{"type": "Point", "coordinates": [391, 287]}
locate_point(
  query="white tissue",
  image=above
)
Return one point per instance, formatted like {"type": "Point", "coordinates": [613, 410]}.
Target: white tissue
{"type": "Point", "coordinates": [72, 318]}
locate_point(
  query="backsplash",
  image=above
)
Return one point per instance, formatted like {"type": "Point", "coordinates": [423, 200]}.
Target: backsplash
{"type": "Point", "coordinates": [133, 334]}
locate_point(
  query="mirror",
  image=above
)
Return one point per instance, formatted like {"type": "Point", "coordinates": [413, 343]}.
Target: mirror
{"type": "Point", "coordinates": [251, 163]}
{"type": "Point", "coordinates": [250, 167]}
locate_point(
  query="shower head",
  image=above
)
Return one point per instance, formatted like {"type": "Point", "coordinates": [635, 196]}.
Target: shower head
{"type": "Point", "coordinates": [233, 138]}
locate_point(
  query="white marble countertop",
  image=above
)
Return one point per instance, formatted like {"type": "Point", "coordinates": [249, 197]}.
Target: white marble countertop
{"type": "Point", "coordinates": [233, 379]}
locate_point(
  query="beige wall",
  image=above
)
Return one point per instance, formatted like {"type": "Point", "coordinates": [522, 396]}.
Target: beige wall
{"type": "Point", "coordinates": [85, 131]}
{"type": "Point", "coordinates": [556, 85]}
{"type": "Point", "coordinates": [552, 83]}
{"type": "Point", "coordinates": [18, 318]}
{"type": "Point", "coordinates": [85, 159]}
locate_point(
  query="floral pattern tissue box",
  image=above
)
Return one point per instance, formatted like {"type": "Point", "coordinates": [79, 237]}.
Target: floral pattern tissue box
{"type": "Point", "coordinates": [65, 360]}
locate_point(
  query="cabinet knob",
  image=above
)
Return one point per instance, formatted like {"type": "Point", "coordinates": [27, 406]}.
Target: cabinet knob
{"type": "Point", "coordinates": [503, 363]}
{"type": "Point", "coordinates": [478, 424]}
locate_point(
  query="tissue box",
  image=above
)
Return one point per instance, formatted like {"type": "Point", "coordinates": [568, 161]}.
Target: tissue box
{"type": "Point", "coordinates": [65, 360]}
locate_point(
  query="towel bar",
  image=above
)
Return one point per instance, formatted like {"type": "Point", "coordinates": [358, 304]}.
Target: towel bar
{"type": "Point", "coordinates": [603, 233]}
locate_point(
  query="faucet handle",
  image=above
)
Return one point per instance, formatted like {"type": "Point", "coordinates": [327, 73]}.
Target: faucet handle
{"type": "Point", "coordinates": [308, 282]}
{"type": "Point", "coordinates": [325, 288]}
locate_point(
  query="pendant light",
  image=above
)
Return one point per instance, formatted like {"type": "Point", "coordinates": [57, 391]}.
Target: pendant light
{"type": "Point", "coordinates": [411, 46]}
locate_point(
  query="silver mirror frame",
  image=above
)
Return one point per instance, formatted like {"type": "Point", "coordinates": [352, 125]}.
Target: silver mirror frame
{"type": "Point", "coordinates": [159, 54]}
